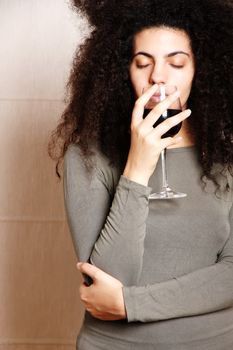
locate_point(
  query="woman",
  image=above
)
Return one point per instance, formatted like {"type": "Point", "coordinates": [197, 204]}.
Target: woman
{"type": "Point", "coordinates": [159, 274]}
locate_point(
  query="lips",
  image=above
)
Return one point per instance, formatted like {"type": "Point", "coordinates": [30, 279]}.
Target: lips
{"type": "Point", "coordinates": [156, 98]}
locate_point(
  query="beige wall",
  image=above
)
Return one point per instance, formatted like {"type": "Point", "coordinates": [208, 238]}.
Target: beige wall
{"type": "Point", "coordinates": [39, 303]}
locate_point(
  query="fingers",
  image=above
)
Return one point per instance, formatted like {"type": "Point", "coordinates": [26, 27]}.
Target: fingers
{"type": "Point", "coordinates": [89, 270]}
{"type": "Point", "coordinates": [141, 102]}
{"type": "Point", "coordinates": [170, 141]}
{"type": "Point", "coordinates": [82, 292]}
{"type": "Point", "coordinates": [163, 105]}
{"type": "Point", "coordinates": [144, 98]}
{"type": "Point", "coordinates": [159, 109]}
{"type": "Point", "coordinates": [167, 124]}
{"type": "Point", "coordinates": [155, 113]}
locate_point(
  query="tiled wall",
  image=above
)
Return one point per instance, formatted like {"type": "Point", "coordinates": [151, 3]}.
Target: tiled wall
{"type": "Point", "coordinates": [39, 301]}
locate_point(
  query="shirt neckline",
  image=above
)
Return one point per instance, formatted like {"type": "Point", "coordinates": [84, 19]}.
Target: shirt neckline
{"type": "Point", "coordinates": [181, 149]}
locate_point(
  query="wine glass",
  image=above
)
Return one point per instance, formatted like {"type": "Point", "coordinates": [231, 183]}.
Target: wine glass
{"type": "Point", "coordinates": [175, 108]}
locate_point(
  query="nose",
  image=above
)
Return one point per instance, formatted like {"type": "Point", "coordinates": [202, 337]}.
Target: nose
{"type": "Point", "coordinates": [158, 74]}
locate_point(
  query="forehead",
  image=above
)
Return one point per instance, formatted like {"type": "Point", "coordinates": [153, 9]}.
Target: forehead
{"type": "Point", "coordinates": [162, 40]}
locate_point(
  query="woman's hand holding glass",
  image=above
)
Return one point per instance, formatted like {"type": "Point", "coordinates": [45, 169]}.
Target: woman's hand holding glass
{"type": "Point", "coordinates": [146, 141]}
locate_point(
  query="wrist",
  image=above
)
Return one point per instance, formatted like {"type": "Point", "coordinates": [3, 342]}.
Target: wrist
{"type": "Point", "coordinates": [136, 175]}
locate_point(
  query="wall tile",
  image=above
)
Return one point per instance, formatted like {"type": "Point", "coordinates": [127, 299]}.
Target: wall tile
{"type": "Point", "coordinates": [37, 43]}
{"type": "Point", "coordinates": [29, 187]}
{"type": "Point", "coordinates": [39, 283]}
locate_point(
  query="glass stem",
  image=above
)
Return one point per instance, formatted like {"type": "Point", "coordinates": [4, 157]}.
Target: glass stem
{"type": "Point", "coordinates": [164, 168]}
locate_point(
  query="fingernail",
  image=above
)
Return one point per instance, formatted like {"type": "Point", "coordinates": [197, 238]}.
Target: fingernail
{"type": "Point", "coordinates": [79, 265]}
{"type": "Point", "coordinates": [189, 112]}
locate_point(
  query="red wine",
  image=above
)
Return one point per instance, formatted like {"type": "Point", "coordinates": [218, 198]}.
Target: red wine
{"type": "Point", "coordinates": [170, 113]}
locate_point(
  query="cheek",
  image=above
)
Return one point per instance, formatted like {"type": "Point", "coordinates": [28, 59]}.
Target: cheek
{"type": "Point", "coordinates": [185, 91]}
{"type": "Point", "coordinates": [185, 95]}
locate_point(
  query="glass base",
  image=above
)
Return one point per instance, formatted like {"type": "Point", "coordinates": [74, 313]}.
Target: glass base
{"type": "Point", "coordinates": [167, 193]}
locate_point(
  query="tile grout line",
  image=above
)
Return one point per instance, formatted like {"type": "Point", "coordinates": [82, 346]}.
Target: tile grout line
{"type": "Point", "coordinates": [31, 219]}
{"type": "Point", "coordinates": [36, 341]}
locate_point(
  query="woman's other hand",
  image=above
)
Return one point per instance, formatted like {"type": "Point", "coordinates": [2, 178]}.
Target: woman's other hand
{"type": "Point", "coordinates": [104, 298]}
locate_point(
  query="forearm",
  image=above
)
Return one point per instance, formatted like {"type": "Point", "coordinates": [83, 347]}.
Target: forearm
{"type": "Point", "coordinates": [203, 291]}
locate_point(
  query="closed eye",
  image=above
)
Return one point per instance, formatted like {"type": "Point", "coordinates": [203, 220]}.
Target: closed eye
{"type": "Point", "coordinates": [176, 66]}
{"type": "Point", "coordinates": [140, 66]}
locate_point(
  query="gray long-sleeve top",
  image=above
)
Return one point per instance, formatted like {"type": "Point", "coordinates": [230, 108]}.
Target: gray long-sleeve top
{"type": "Point", "coordinates": [174, 257]}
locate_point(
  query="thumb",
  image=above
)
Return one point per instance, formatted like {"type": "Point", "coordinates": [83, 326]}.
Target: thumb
{"type": "Point", "coordinates": [89, 270]}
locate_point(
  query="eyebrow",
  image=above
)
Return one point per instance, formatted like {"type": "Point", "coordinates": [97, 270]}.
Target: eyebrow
{"type": "Point", "coordinates": [177, 53]}
{"type": "Point", "coordinates": [171, 54]}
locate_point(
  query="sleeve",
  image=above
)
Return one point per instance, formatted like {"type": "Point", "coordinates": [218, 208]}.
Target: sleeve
{"type": "Point", "coordinates": [202, 291]}
{"type": "Point", "coordinates": [107, 232]}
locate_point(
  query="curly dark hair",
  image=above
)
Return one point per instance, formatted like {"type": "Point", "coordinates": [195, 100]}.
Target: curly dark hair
{"type": "Point", "coordinates": [101, 97]}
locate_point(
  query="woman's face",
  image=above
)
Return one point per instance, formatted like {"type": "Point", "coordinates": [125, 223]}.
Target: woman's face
{"type": "Point", "coordinates": [162, 55]}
